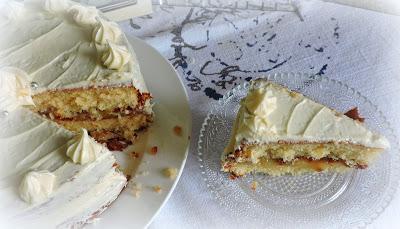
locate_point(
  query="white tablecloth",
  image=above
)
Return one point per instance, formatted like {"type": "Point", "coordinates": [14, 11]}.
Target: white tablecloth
{"type": "Point", "coordinates": [214, 50]}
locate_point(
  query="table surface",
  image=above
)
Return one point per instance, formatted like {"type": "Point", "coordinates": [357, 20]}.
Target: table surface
{"type": "Point", "coordinates": [213, 50]}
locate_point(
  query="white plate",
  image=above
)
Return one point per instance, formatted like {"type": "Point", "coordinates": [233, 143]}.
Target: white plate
{"type": "Point", "coordinates": [171, 109]}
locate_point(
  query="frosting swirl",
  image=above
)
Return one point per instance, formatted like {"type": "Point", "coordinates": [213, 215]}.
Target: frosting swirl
{"type": "Point", "coordinates": [82, 149]}
{"type": "Point", "coordinates": [104, 31]}
{"type": "Point", "coordinates": [37, 186]}
{"type": "Point", "coordinates": [55, 6]}
{"type": "Point", "coordinates": [84, 16]}
{"type": "Point", "coordinates": [15, 89]}
{"type": "Point", "coordinates": [115, 56]}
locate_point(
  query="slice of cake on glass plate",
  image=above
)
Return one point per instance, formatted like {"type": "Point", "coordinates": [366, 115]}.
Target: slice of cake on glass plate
{"type": "Point", "coordinates": [278, 131]}
{"type": "Point", "coordinates": [82, 70]}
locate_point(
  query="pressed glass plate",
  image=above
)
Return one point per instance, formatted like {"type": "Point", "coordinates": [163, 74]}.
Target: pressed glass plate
{"type": "Point", "coordinates": [323, 200]}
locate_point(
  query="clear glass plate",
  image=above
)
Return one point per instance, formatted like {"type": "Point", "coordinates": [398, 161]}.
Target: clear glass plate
{"type": "Point", "coordinates": [324, 200]}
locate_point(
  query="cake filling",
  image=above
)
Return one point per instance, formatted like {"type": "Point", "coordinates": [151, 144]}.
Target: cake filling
{"type": "Point", "coordinates": [350, 153]}
{"type": "Point", "coordinates": [112, 115]}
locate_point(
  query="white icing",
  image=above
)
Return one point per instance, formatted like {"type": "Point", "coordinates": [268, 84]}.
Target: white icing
{"type": "Point", "coordinates": [12, 10]}
{"type": "Point", "coordinates": [271, 113]}
{"type": "Point", "coordinates": [36, 186]}
{"type": "Point", "coordinates": [31, 143]}
{"type": "Point", "coordinates": [104, 31]}
{"type": "Point", "coordinates": [83, 149]}
{"type": "Point", "coordinates": [115, 56]}
{"type": "Point", "coordinates": [72, 63]}
{"type": "Point", "coordinates": [55, 6]}
{"type": "Point", "coordinates": [15, 89]}
{"type": "Point", "coordinates": [84, 16]}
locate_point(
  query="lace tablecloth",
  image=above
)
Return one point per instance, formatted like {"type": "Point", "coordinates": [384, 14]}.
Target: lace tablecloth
{"type": "Point", "coordinates": [213, 50]}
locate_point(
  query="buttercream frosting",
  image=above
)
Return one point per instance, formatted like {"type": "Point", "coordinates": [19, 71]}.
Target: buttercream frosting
{"type": "Point", "coordinates": [82, 149]}
{"type": "Point", "coordinates": [115, 56]}
{"type": "Point", "coordinates": [105, 30]}
{"type": "Point", "coordinates": [12, 10]}
{"type": "Point", "coordinates": [15, 89]}
{"type": "Point", "coordinates": [55, 6]}
{"type": "Point", "coordinates": [36, 186]}
{"type": "Point", "coordinates": [32, 143]}
{"type": "Point", "coordinates": [271, 113]}
{"type": "Point", "coordinates": [84, 16]}
{"type": "Point", "coordinates": [74, 62]}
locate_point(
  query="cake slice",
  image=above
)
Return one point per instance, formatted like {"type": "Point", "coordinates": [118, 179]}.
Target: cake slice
{"type": "Point", "coordinates": [278, 131]}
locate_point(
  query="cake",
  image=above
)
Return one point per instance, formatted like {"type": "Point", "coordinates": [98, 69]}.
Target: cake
{"type": "Point", "coordinates": [278, 131]}
{"type": "Point", "coordinates": [42, 185]}
{"type": "Point", "coordinates": [71, 90]}
{"type": "Point", "coordinates": [82, 70]}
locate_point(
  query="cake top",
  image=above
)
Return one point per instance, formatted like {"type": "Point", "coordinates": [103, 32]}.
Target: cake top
{"type": "Point", "coordinates": [60, 44]}
{"type": "Point", "coordinates": [271, 113]}
{"type": "Point", "coordinates": [41, 184]}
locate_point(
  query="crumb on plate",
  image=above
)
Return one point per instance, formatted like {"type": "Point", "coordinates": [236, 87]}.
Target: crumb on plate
{"type": "Point", "coordinates": [153, 150]}
{"type": "Point", "coordinates": [157, 189]}
{"type": "Point", "coordinates": [136, 188]}
{"type": "Point", "coordinates": [134, 155]}
{"type": "Point", "coordinates": [170, 173]}
{"type": "Point", "coordinates": [178, 130]}
{"type": "Point", "coordinates": [254, 185]}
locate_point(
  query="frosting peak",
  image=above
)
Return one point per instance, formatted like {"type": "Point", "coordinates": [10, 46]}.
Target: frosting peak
{"type": "Point", "coordinates": [14, 89]}
{"type": "Point", "coordinates": [84, 16]}
{"type": "Point", "coordinates": [104, 31]}
{"type": "Point", "coordinates": [115, 56]}
{"type": "Point", "coordinates": [82, 149]}
{"type": "Point", "coordinates": [37, 186]}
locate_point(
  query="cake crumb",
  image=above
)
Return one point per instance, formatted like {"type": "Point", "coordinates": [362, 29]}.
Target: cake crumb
{"type": "Point", "coordinates": [134, 155]}
{"type": "Point", "coordinates": [153, 150]}
{"type": "Point", "coordinates": [157, 189]}
{"type": "Point", "coordinates": [254, 185]}
{"type": "Point", "coordinates": [136, 189]}
{"type": "Point", "coordinates": [232, 176]}
{"type": "Point", "coordinates": [178, 130]}
{"type": "Point", "coordinates": [170, 173]}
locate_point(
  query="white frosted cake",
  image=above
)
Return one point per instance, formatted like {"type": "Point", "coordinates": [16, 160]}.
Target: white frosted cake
{"type": "Point", "coordinates": [70, 91]}
{"type": "Point", "coordinates": [278, 131]}
{"type": "Point", "coordinates": [49, 178]}
{"type": "Point", "coordinates": [81, 68]}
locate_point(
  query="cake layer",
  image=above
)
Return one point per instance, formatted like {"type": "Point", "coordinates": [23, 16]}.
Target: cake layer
{"type": "Point", "coordinates": [277, 167]}
{"type": "Point", "coordinates": [350, 153]}
{"type": "Point", "coordinates": [91, 103]}
{"type": "Point", "coordinates": [116, 132]}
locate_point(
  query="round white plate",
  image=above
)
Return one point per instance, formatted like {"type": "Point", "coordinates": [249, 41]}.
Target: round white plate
{"type": "Point", "coordinates": [171, 108]}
